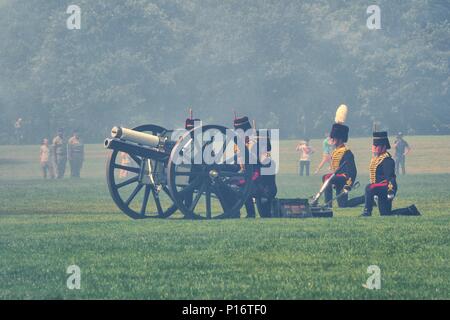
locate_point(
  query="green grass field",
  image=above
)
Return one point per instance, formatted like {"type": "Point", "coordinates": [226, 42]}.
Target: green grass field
{"type": "Point", "coordinates": [45, 226]}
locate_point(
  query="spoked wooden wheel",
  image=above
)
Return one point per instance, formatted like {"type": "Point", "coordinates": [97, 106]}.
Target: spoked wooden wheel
{"type": "Point", "coordinates": [138, 185]}
{"type": "Point", "coordinates": [211, 184]}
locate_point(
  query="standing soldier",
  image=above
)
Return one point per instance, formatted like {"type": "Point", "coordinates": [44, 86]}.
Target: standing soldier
{"type": "Point", "coordinates": [264, 186]}
{"type": "Point", "coordinates": [75, 153]}
{"type": "Point", "coordinates": [51, 162]}
{"type": "Point", "coordinates": [244, 125]}
{"type": "Point", "coordinates": [188, 126]}
{"type": "Point", "coordinates": [60, 153]}
{"type": "Point", "coordinates": [342, 164]}
{"type": "Point", "coordinates": [383, 182]}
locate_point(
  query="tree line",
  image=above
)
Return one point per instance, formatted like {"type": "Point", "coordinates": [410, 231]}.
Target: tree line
{"type": "Point", "coordinates": [287, 64]}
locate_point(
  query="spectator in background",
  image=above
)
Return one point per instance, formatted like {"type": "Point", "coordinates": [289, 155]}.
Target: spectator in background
{"type": "Point", "coordinates": [18, 131]}
{"type": "Point", "coordinates": [75, 154]}
{"type": "Point", "coordinates": [51, 163]}
{"type": "Point", "coordinates": [402, 149]}
{"type": "Point", "coordinates": [124, 161]}
{"type": "Point", "coordinates": [305, 157]}
{"type": "Point", "coordinates": [45, 160]}
{"type": "Point", "coordinates": [327, 149]}
{"type": "Point", "coordinates": [60, 153]}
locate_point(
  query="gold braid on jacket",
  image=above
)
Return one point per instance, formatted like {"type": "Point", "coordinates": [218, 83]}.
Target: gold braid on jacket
{"type": "Point", "coordinates": [374, 163]}
{"type": "Point", "coordinates": [337, 155]}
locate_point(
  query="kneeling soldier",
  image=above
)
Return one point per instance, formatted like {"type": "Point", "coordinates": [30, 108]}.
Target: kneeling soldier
{"type": "Point", "coordinates": [383, 182]}
{"type": "Point", "coordinates": [342, 164]}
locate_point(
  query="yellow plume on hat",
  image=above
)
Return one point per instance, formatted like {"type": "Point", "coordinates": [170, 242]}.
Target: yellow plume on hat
{"type": "Point", "coordinates": [341, 114]}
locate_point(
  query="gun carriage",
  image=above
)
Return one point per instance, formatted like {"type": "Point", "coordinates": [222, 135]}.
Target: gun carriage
{"type": "Point", "coordinates": [157, 184]}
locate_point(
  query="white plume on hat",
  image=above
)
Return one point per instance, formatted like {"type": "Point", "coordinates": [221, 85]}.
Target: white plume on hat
{"type": "Point", "coordinates": [341, 114]}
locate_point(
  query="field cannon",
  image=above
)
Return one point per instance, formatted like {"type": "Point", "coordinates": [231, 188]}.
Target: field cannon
{"type": "Point", "coordinates": [153, 172]}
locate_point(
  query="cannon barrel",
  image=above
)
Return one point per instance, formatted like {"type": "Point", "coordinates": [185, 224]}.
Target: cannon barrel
{"type": "Point", "coordinates": [139, 143]}
{"type": "Point", "coordinates": [138, 137]}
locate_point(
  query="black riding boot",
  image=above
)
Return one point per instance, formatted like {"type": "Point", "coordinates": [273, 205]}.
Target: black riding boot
{"type": "Point", "coordinates": [409, 211]}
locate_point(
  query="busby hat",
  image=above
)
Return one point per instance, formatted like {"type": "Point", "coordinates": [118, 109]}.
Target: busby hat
{"type": "Point", "coordinates": [380, 138]}
{"type": "Point", "coordinates": [339, 130]}
{"type": "Point", "coordinates": [242, 123]}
